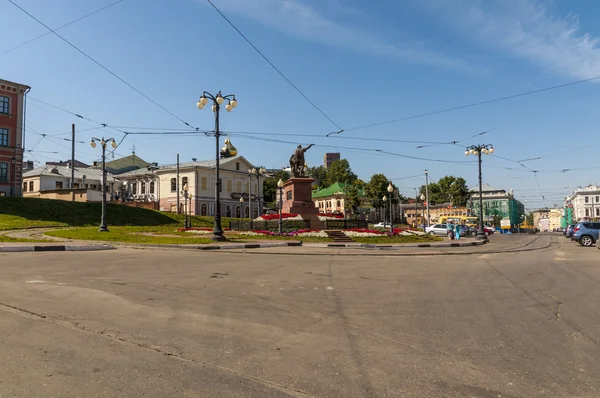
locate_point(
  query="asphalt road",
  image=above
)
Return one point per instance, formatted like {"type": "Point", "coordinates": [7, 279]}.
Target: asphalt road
{"type": "Point", "coordinates": [157, 323]}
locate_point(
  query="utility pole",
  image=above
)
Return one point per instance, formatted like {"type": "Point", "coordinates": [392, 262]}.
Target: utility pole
{"type": "Point", "coordinates": [427, 196]}
{"type": "Point", "coordinates": [72, 162]}
{"type": "Point", "coordinates": [177, 185]}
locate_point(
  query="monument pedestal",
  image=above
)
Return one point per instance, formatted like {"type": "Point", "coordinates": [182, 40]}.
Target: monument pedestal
{"type": "Point", "coordinates": [297, 198]}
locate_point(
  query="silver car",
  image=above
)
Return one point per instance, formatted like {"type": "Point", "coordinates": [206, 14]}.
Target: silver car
{"type": "Point", "coordinates": [437, 229]}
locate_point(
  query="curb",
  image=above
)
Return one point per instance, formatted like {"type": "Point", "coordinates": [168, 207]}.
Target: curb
{"type": "Point", "coordinates": [215, 247]}
{"type": "Point", "coordinates": [399, 246]}
{"type": "Point", "coordinates": [54, 248]}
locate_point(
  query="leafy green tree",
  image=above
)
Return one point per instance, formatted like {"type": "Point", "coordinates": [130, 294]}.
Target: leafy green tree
{"type": "Point", "coordinates": [319, 174]}
{"type": "Point", "coordinates": [376, 188]}
{"type": "Point", "coordinates": [448, 189]}
{"type": "Point", "coordinates": [352, 199]}
{"type": "Point", "coordinates": [340, 171]}
{"type": "Point", "coordinates": [270, 187]}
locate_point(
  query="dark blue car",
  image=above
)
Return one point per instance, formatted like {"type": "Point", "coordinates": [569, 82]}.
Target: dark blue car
{"type": "Point", "coordinates": [586, 233]}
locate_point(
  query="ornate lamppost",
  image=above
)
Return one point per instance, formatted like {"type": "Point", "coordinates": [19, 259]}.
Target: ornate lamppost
{"type": "Point", "coordinates": [103, 142]}
{"type": "Point", "coordinates": [254, 172]}
{"type": "Point", "coordinates": [241, 211]}
{"type": "Point", "coordinates": [384, 209]}
{"type": "Point", "coordinates": [216, 107]}
{"type": "Point", "coordinates": [390, 189]}
{"type": "Point", "coordinates": [280, 186]}
{"type": "Point", "coordinates": [478, 150]}
{"type": "Point", "coordinates": [185, 206]}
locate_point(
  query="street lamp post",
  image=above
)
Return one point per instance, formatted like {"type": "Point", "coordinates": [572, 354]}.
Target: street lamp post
{"type": "Point", "coordinates": [416, 202]}
{"type": "Point", "coordinates": [428, 222]}
{"type": "Point", "coordinates": [216, 107]}
{"type": "Point", "coordinates": [478, 150]}
{"type": "Point", "coordinates": [390, 189]}
{"type": "Point", "coordinates": [103, 142]}
{"type": "Point", "coordinates": [185, 206]}
{"type": "Point", "coordinates": [241, 211]}
{"type": "Point", "coordinates": [422, 197]}
{"type": "Point", "coordinates": [384, 208]}
{"type": "Point", "coordinates": [280, 186]}
{"type": "Point", "coordinates": [257, 173]}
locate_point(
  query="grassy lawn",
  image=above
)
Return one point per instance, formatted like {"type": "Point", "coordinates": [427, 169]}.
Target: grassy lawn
{"type": "Point", "coordinates": [397, 239]}
{"type": "Point", "coordinates": [8, 239]}
{"type": "Point", "coordinates": [18, 213]}
{"type": "Point", "coordinates": [166, 234]}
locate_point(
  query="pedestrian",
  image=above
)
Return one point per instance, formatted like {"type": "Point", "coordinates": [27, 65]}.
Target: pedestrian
{"type": "Point", "coordinates": [457, 229]}
{"type": "Point", "coordinates": [450, 230]}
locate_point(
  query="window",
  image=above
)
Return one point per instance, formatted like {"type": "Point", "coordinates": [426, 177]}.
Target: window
{"type": "Point", "coordinates": [597, 199]}
{"type": "Point", "coordinates": [586, 199]}
{"type": "Point", "coordinates": [247, 212]}
{"type": "Point", "coordinates": [4, 105]}
{"type": "Point", "coordinates": [239, 187]}
{"type": "Point", "coordinates": [339, 204]}
{"type": "Point", "coordinates": [24, 187]}
{"type": "Point", "coordinates": [143, 191]}
{"type": "Point", "coordinates": [237, 166]}
{"type": "Point", "coordinates": [203, 183]}
{"type": "Point", "coordinates": [237, 211]}
{"type": "Point", "coordinates": [184, 181]}
{"type": "Point", "coordinates": [203, 210]}
{"type": "Point", "coordinates": [228, 211]}
{"type": "Point", "coordinates": [30, 186]}
{"type": "Point", "coordinates": [229, 186]}
{"type": "Point", "coordinates": [3, 137]}
{"type": "Point", "coordinates": [255, 212]}
{"type": "Point", "coordinates": [597, 212]}
{"type": "Point", "coordinates": [152, 187]}
{"type": "Point", "coordinates": [134, 188]}
{"type": "Point", "coordinates": [58, 185]}
{"type": "Point", "coordinates": [173, 185]}
{"type": "Point", "coordinates": [587, 212]}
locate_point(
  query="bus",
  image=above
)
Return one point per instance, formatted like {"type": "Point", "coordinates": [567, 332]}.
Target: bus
{"type": "Point", "coordinates": [470, 221]}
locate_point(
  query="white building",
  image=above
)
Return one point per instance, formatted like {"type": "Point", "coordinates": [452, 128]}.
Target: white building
{"type": "Point", "coordinates": [160, 185]}
{"type": "Point", "coordinates": [586, 203]}
{"type": "Point", "coordinates": [54, 182]}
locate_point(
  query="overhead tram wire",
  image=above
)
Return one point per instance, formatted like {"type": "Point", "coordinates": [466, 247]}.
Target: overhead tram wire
{"type": "Point", "coordinates": [473, 104]}
{"type": "Point", "coordinates": [62, 26]}
{"type": "Point", "coordinates": [100, 65]}
{"type": "Point", "coordinates": [275, 68]}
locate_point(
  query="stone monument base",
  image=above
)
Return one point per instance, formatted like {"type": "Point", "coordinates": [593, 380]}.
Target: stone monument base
{"type": "Point", "coordinates": [297, 198]}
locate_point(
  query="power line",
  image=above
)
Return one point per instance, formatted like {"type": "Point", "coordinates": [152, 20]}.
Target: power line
{"type": "Point", "coordinates": [100, 65]}
{"type": "Point", "coordinates": [274, 67]}
{"type": "Point", "coordinates": [63, 26]}
{"type": "Point", "coordinates": [473, 104]}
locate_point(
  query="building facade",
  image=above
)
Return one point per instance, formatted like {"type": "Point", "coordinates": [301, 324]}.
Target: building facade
{"type": "Point", "coordinates": [160, 184]}
{"type": "Point", "coordinates": [497, 204]}
{"type": "Point", "coordinates": [12, 127]}
{"type": "Point", "coordinates": [585, 204]}
{"type": "Point", "coordinates": [54, 182]}
{"type": "Point", "coordinates": [548, 219]}
{"type": "Point", "coordinates": [333, 199]}
{"type": "Point", "coordinates": [330, 158]}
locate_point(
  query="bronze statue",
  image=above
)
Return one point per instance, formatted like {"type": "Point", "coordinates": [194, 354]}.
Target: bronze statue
{"type": "Point", "coordinates": [297, 161]}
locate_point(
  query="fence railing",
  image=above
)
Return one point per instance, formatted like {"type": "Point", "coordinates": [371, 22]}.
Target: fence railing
{"type": "Point", "coordinates": [293, 225]}
{"type": "Point", "coordinates": [271, 225]}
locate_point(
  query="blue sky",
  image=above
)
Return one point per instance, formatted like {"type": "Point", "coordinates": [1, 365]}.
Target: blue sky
{"type": "Point", "coordinates": [360, 62]}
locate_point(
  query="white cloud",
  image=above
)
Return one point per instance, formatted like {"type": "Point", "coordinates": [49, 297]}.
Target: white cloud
{"type": "Point", "coordinates": [531, 30]}
{"type": "Point", "coordinates": [299, 19]}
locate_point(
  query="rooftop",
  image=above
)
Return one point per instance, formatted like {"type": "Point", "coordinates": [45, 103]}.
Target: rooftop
{"type": "Point", "coordinates": [182, 165]}
{"type": "Point", "coordinates": [64, 171]}
{"type": "Point", "coordinates": [337, 188]}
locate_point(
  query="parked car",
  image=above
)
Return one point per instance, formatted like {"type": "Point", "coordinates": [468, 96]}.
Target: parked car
{"type": "Point", "coordinates": [586, 233]}
{"type": "Point", "coordinates": [569, 231]}
{"type": "Point", "coordinates": [437, 229]}
{"type": "Point", "coordinates": [382, 225]}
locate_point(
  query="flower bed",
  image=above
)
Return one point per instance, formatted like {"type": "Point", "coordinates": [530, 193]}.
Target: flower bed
{"type": "Point", "coordinates": [298, 233]}
{"type": "Point", "coordinates": [330, 216]}
{"type": "Point", "coordinates": [364, 232]}
{"type": "Point", "coordinates": [285, 216]}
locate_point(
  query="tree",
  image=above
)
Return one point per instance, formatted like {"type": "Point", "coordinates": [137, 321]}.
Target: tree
{"type": "Point", "coordinates": [319, 174]}
{"type": "Point", "coordinates": [376, 188]}
{"type": "Point", "coordinates": [270, 188]}
{"type": "Point", "coordinates": [340, 171]}
{"type": "Point", "coordinates": [448, 189]}
{"type": "Point", "coordinates": [352, 199]}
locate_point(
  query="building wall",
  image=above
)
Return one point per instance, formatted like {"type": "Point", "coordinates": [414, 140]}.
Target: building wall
{"type": "Point", "coordinates": [330, 158]}
{"type": "Point", "coordinates": [13, 122]}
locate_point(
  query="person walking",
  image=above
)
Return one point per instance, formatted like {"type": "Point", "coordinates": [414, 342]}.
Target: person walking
{"type": "Point", "coordinates": [450, 230]}
{"type": "Point", "coordinates": [457, 229]}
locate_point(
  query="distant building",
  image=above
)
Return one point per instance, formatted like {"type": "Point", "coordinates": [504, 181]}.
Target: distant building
{"type": "Point", "coordinates": [333, 198]}
{"type": "Point", "coordinates": [160, 185]}
{"type": "Point", "coordinates": [330, 158]}
{"type": "Point", "coordinates": [497, 203]}
{"type": "Point", "coordinates": [12, 127]}
{"type": "Point", "coordinates": [585, 204]}
{"type": "Point", "coordinates": [124, 165]}
{"type": "Point", "coordinates": [77, 163]}
{"type": "Point", "coordinates": [547, 219]}
{"type": "Point", "coordinates": [53, 182]}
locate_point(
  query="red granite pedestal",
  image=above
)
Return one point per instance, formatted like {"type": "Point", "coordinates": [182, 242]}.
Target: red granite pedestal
{"type": "Point", "coordinates": [297, 198]}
